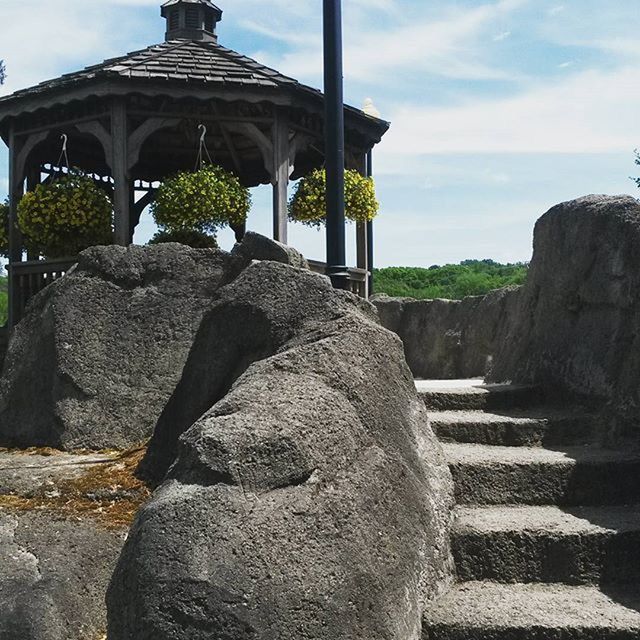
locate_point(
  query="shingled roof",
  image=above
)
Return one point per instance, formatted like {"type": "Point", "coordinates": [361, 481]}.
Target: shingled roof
{"type": "Point", "coordinates": [197, 62]}
{"type": "Point", "coordinates": [179, 60]}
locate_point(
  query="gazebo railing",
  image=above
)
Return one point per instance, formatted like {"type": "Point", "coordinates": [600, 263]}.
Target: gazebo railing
{"type": "Point", "coordinates": [358, 278]}
{"type": "Point", "coordinates": [31, 277]}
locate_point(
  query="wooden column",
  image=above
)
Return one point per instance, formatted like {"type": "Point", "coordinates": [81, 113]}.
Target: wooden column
{"type": "Point", "coordinates": [280, 176]}
{"type": "Point", "coordinates": [120, 173]}
{"type": "Point", "coordinates": [33, 180]}
{"type": "Point", "coordinates": [370, 246]}
{"type": "Point", "coordinates": [16, 190]}
{"type": "Point", "coordinates": [362, 242]}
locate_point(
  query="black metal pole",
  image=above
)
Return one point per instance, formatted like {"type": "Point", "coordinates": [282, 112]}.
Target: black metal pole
{"type": "Point", "coordinates": [370, 229]}
{"type": "Point", "coordinates": [334, 144]}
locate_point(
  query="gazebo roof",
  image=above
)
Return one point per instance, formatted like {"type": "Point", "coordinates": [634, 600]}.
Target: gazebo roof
{"type": "Point", "coordinates": [205, 65]}
{"type": "Point", "coordinates": [206, 3]}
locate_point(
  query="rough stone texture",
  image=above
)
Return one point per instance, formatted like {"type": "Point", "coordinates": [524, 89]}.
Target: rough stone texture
{"type": "Point", "coordinates": [519, 428]}
{"type": "Point", "coordinates": [585, 475]}
{"type": "Point", "coordinates": [257, 247]}
{"type": "Point", "coordinates": [54, 566]}
{"type": "Point", "coordinates": [449, 338]}
{"type": "Point", "coordinates": [489, 611]}
{"type": "Point", "coordinates": [530, 518]}
{"type": "Point", "coordinates": [310, 501]}
{"type": "Point", "coordinates": [477, 396]}
{"type": "Point", "coordinates": [588, 545]}
{"type": "Point", "coordinates": [99, 352]}
{"type": "Point", "coordinates": [53, 576]}
{"type": "Point", "coordinates": [28, 475]}
{"type": "Point", "coordinates": [577, 325]}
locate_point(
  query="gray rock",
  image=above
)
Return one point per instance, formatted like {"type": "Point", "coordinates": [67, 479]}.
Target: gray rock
{"type": "Point", "coordinates": [576, 330]}
{"type": "Point", "coordinates": [257, 247]}
{"type": "Point", "coordinates": [449, 338]}
{"type": "Point", "coordinates": [100, 351]}
{"type": "Point", "coordinates": [309, 498]}
{"type": "Point", "coordinates": [53, 576]}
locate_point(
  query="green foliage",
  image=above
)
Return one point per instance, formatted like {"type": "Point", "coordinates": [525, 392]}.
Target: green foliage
{"type": "Point", "coordinates": [201, 201]}
{"type": "Point", "coordinates": [308, 203]}
{"type": "Point", "coordinates": [65, 216]}
{"type": "Point", "coordinates": [469, 278]}
{"type": "Point", "coordinates": [193, 239]}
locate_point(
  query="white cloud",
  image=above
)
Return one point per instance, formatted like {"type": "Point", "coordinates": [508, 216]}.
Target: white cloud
{"type": "Point", "coordinates": [592, 112]}
{"type": "Point", "coordinates": [449, 46]}
{"type": "Point", "coordinates": [501, 36]}
{"type": "Point", "coordinates": [554, 11]}
{"type": "Point", "coordinates": [40, 39]}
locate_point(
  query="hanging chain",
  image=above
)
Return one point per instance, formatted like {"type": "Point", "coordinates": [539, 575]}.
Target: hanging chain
{"type": "Point", "coordinates": [63, 153]}
{"type": "Point", "coordinates": [203, 152]}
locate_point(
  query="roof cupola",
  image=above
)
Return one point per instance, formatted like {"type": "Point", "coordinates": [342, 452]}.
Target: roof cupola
{"type": "Point", "coordinates": [191, 20]}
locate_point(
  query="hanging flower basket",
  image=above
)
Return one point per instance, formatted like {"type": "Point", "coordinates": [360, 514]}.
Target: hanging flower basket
{"type": "Point", "coordinates": [194, 239]}
{"type": "Point", "coordinates": [201, 201]}
{"type": "Point", "coordinates": [308, 203]}
{"type": "Point", "coordinates": [67, 215]}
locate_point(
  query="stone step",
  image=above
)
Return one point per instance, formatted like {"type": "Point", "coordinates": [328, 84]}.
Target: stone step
{"type": "Point", "coordinates": [586, 475]}
{"type": "Point", "coordinates": [575, 545]}
{"type": "Point", "coordinates": [518, 428]}
{"type": "Point", "coordinates": [461, 395]}
{"type": "Point", "coordinates": [490, 611]}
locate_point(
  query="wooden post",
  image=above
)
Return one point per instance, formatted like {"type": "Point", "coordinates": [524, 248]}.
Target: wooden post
{"type": "Point", "coordinates": [33, 180]}
{"type": "Point", "coordinates": [280, 175]}
{"type": "Point", "coordinates": [16, 190]}
{"type": "Point", "coordinates": [362, 254]}
{"type": "Point", "coordinates": [370, 246]}
{"type": "Point", "coordinates": [120, 172]}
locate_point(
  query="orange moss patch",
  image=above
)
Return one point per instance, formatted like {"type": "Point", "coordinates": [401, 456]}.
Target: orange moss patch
{"type": "Point", "coordinates": [108, 492]}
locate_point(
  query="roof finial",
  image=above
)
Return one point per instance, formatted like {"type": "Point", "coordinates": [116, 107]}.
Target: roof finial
{"type": "Point", "coordinates": [191, 20]}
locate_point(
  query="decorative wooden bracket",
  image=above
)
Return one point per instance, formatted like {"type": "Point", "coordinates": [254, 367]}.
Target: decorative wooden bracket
{"type": "Point", "coordinates": [263, 143]}
{"type": "Point", "coordinates": [96, 129]}
{"type": "Point", "coordinates": [140, 135]}
{"type": "Point", "coordinates": [297, 142]}
{"type": "Point", "coordinates": [25, 149]}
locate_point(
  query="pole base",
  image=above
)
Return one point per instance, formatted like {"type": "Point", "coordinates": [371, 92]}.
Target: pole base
{"type": "Point", "coordinates": [339, 276]}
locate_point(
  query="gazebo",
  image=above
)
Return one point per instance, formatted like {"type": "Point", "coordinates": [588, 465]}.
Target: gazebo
{"type": "Point", "coordinates": [132, 121]}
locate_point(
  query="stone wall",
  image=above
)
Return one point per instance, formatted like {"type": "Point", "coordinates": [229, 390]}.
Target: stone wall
{"type": "Point", "coordinates": [577, 325]}
{"type": "Point", "coordinates": [449, 338]}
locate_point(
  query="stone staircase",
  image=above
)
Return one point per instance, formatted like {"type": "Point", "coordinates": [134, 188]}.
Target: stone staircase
{"type": "Point", "coordinates": [546, 539]}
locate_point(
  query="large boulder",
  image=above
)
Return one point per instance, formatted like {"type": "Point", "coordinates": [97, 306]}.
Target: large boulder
{"type": "Point", "coordinates": [53, 576]}
{"type": "Point", "coordinates": [63, 522]}
{"type": "Point", "coordinates": [100, 351]}
{"type": "Point", "coordinates": [576, 330]}
{"type": "Point", "coordinates": [307, 496]}
{"type": "Point", "coordinates": [449, 338]}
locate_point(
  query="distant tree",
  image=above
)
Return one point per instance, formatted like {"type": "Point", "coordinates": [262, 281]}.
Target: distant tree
{"type": "Point", "coordinates": [3, 72]}
{"type": "Point", "coordinates": [453, 281]}
{"type": "Point", "coordinates": [637, 180]}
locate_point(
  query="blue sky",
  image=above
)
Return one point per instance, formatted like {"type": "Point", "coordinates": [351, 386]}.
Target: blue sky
{"type": "Point", "coordinates": [499, 108]}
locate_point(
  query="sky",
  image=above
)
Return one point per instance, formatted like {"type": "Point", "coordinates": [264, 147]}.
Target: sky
{"type": "Point", "coordinates": [499, 109]}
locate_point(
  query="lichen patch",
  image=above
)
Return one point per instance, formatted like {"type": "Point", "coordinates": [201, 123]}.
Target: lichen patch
{"type": "Point", "coordinates": [108, 492]}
